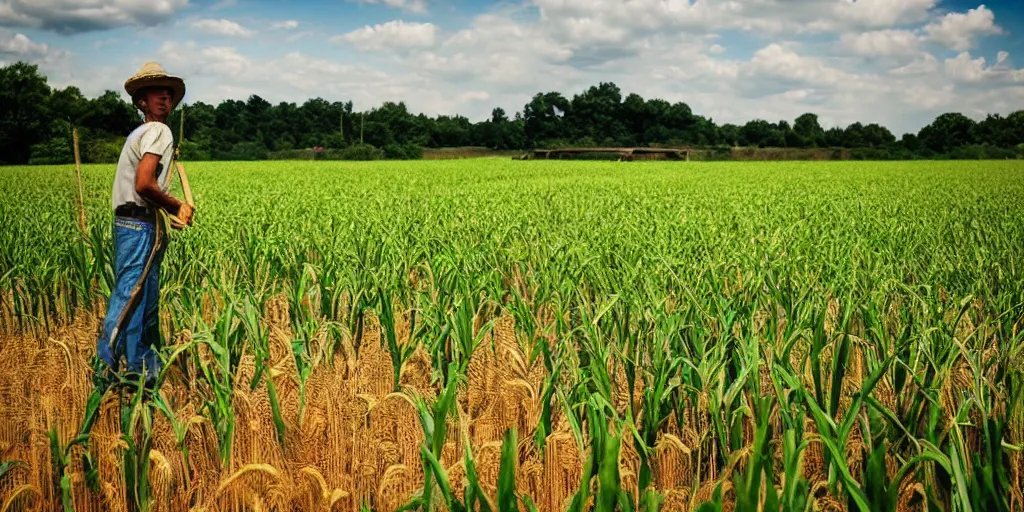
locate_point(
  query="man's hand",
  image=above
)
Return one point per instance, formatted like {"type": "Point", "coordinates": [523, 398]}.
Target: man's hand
{"type": "Point", "coordinates": [146, 185]}
{"type": "Point", "coordinates": [185, 212]}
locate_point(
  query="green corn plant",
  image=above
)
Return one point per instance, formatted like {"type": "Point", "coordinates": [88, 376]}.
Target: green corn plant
{"type": "Point", "coordinates": [464, 339]}
{"type": "Point", "coordinates": [658, 396]}
{"type": "Point", "coordinates": [386, 314]}
{"type": "Point", "coordinates": [102, 252]}
{"type": "Point", "coordinates": [981, 477]}
{"type": "Point", "coordinates": [433, 418]}
{"type": "Point", "coordinates": [507, 496]}
{"type": "Point", "coordinates": [547, 395]}
{"type": "Point", "coordinates": [795, 493]}
{"type": "Point", "coordinates": [226, 342]}
{"type": "Point", "coordinates": [260, 339]}
{"type": "Point", "coordinates": [923, 259]}
{"type": "Point", "coordinates": [136, 416]}
{"type": "Point", "coordinates": [834, 435]}
{"type": "Point", "coordinates": [603, 462]}
{"type": "Point", "coordinates": [82, 264]}
{"type": "Point", "coordinates": [715, 504]}
{"type": "Point", "coordinates": [305, 326]}
{"type": "Point", "coordinates": [476, 498]}
{"type": "Point", "coordinates": [101, 383]}
{"type": "Point", "coordinates": [61, 479]}
{"type": "Point", "coordinates": [433, 467]}
{"type": "Point", "coordinates": [759, 469]}
{"type": "Point", "coordinates": [9, 466]}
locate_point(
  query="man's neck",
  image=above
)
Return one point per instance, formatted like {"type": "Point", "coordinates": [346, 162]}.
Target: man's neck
{"type": "Point", "coordinates": [151, 118]}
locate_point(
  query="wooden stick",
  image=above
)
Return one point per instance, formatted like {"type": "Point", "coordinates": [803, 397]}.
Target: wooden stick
{"type": "Point", "coordinates": [78, 175]}
{"type": "Point", "coordinates": [185, 187]}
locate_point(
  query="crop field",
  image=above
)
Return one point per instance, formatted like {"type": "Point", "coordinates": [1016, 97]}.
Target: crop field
{"type": "Point", "coordinates": [501, 335]}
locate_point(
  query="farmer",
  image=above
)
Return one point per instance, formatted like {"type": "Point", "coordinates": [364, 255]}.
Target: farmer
{"type": "Point", "coordinates": [140, 188]}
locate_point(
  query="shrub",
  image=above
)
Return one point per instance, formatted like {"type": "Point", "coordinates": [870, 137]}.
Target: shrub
{"type": "Point", "coordinates": [362, 152]}
{"type": "Point", "coordinates": [394, 152]}
{"type": "Point", "coordinates": [292, 154]}
{"type": "Point", "coordinates": [413, 151]}
{"type": "Point", "coordinates": [246, 151]}
{"type": "Point", "coordinates": [982, 152]}
{"type": "Point", "coordinates": [334, 141]}
{"type": "Point", "coordinates": [101, 151]}
{"type": "Point", "coordinates": [52, 152]}
{"type": "Point", "coordinates": [407, 151]}
{"type": "Point", "coordinates": [191, 151]}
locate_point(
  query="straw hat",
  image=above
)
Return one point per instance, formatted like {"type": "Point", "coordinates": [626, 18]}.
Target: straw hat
{"type": "Point", "coordinates": [153, 75]}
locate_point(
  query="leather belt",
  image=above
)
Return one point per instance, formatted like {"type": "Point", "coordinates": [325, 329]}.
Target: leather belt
{"type": "Point", "coordinates": [134, 211]}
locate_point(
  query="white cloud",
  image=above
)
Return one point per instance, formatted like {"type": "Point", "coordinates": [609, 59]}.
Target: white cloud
{"type": "Point", "coordinates": [474, 96]}
{"type": "Point", "coordinates": [72, 16]}
{"type": "Point", "coordinates": [593, 31]}
{"type": "Point", "coordinates": [54, 63]}
{"type": "Point", "coordinates": [960, 31]}
{"type": "Point", "coordinates": [513, 60]}
{"type": "Point", "coordinates": [189, 59]}
{"type": "Point", "coordinates": [670, 49]}
{"type": "Point", "coordinates": [391, 35]}
{"type": "Point", "coordinates": [700, 67]}
{"type": "Point", "coordinates": [416, 6]}
{"type": "Point", "coordinates": [285, 25]}
{"type": "Point", "coordinates": [881, 43]}
{"type": "Point", "coordinates": [299, 35]}
{"type": "Point", "coordinates": [924, 64]}
{"type": "Point", "coordinates": [217, 73]}
{"type": "Point", "coordinates": [786, 64]}
{"type": "Point", "coordinates": [797, 94]}
{"type": "Point", "coordinates": [20, 45]}
{"type": "Point", "coordinates": [222, 27]}
{"type": "Point", "coordinates": [963, 68]}
{"type": "Point", "coordinates": [771, 17]}
{"type": "Point", "coordinates": [882, 13]}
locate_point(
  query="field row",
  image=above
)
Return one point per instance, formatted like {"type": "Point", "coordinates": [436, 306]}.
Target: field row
{"type": "Point", "coordinates": [841, 336]}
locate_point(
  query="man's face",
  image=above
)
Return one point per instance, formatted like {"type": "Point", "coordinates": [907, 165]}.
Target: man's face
{"type": "Point", "coordinates": [158, 102]}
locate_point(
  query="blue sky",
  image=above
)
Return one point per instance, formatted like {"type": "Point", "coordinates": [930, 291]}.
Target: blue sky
{"type": "Point", "coordinates": [896, 62]}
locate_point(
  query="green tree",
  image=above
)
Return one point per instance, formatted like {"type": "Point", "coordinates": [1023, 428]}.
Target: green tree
{"type": "Point", "coordinates": [24, 119]}
{"type": "Point", "coordinates": [729, 134]}
{"type": "Point", "coordinates": [910, 142]}
{"type": "Point", "coordinates": [1000, 131]}
{"type": "Point", "coordinates": [596, 113]}
{"type": "Point", "coordinates": [68, 104]}
{"type": "Point", "coordinates": [543, 118]}
{"type": "Point", "coordinates": [200, 118]}
{"type": "Point", "coordinates": [808, 128]}
{"type": "Point", "coordinates": [949, 131]}
{"type": "Point", "coordinates": [111, 115]}
{"type": "Point", "coordinates": [757, 133]}
{"type": "Point", "coordinates": [875, 135]}
{"type": "Point", "coordinates": [834, 137]}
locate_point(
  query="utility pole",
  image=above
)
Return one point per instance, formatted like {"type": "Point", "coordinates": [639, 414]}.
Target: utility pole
{"type": "Point", "coordinates": [362, 123]}
{"type": "Point", "coordinates": [181, 133]}
{"type": "Point", "coordinates": [341, 123]}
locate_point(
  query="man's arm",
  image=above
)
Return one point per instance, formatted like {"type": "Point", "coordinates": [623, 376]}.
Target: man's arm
{"type": "Point", "coordinates": [147, 187]}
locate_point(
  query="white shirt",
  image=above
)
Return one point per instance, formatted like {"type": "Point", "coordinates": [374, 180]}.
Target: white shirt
{"type": "Point", "coordinates": [152, 137]}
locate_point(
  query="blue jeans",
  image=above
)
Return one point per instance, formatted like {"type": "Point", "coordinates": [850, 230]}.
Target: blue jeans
{"type": "Point", "coordinates": [139, 339]}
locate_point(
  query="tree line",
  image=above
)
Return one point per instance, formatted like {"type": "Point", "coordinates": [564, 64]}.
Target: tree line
{"type": "Point", "coordinates": [36, 121]}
